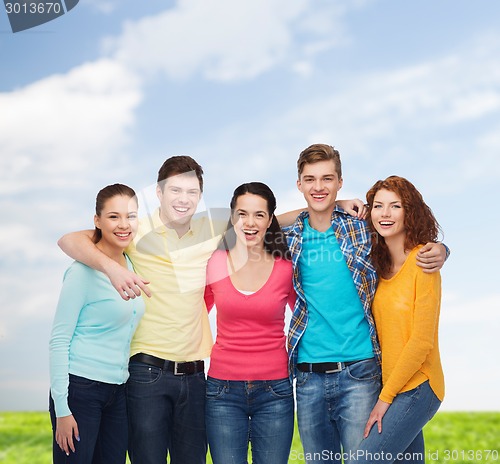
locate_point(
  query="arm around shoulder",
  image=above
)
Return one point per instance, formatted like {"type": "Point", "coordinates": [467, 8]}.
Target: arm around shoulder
{"type": "Point", "coordinates": [432, 256]}
{"type": "Point", "coordinates": [80, 247]}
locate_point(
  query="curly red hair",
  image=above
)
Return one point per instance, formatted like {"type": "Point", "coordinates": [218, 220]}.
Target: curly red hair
{"type": "Point", "coordinates": [420, 224]}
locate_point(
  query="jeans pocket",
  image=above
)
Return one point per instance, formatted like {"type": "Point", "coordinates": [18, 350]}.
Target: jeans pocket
{"type": "Point", "coordinates": [281, 388]}
{"type": "Point", "coordinates": [302, 378]}
{"type": "Point", "coordinates": [143, 373]}
{"type": "Point", "coordinates": [364, 370]}
{"type": "Point", "coordinates": [215, 388]}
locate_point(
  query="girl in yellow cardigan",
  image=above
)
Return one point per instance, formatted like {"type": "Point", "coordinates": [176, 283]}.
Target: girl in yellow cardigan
{"type": "Point", "coordinates": [406, 311]}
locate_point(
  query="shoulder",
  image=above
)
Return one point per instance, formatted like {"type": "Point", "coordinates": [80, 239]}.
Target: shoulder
{"type": "Point", "coordinates": [79, 270]}
{"type": "Point", "coordinates": [416, 269]}
{"type": "Point", "coordinates": [297, 227]}
{"type": "Point", "coordinates": [217, 266]}
{"type": "Point", "coordinates": [208, 226]}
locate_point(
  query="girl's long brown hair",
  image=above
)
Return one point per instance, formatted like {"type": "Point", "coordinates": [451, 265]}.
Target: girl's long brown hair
{"type": "Point", "coordinates": [420, 224]}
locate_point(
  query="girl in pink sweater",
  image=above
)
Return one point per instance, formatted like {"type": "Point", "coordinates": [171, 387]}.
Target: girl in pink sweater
{"type": "Point", "coordinates": [249, 279]}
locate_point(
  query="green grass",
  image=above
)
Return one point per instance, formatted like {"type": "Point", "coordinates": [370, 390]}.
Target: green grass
{"type": "Point", "coordinates": [451, 438]}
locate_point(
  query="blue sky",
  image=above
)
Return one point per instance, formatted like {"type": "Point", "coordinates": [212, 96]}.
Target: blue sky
{"type": "Point", "coordinates": [106, 92]}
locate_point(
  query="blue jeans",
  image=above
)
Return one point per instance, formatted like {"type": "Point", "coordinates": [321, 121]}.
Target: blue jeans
{"type": "Point", "coordinates": [166, 416]}
{"type": "Point", "coordinates": [401, 439]}
{"type": "Point", "coordinates": [100, 412]}
{"type": "Point", "coordinates": [332, 410]}
{"type": "Point", "coordinates": [243, 412]}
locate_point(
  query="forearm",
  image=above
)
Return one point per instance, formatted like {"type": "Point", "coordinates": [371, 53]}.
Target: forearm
{"type": "Point", "coordinates": [288, 218]}
{"type": "Point", "coordinates": [80, 247]}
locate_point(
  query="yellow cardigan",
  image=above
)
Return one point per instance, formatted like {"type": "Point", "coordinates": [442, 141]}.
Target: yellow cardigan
{"type": "Point", "coordinates": [406, 311]}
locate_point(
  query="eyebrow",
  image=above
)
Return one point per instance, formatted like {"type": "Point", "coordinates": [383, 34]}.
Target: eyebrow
{"type": "Point", "coordinates": [311, 176]}
{"type": "Point", "coordinates": [240, 210]}
{"type": "Point", "coordinates": [391, 203]}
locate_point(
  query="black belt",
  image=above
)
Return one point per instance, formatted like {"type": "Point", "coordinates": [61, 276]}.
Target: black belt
{"type": "Point", "coordinates": [177, 368]}
{"type": "Point", "coordinates": [325, 368]}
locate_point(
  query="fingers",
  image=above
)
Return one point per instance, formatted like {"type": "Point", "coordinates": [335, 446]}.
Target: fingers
{"type": "Point", "coordinates": [143, 285]}
{"type": "Point", "coordinates": [132, 288]}
{"type": "Point", "coordinates": [363, 212]}
{"type": "Point", "coordinates": [65, 443]}
{"type": "Point", "coordinates": [76, 433]}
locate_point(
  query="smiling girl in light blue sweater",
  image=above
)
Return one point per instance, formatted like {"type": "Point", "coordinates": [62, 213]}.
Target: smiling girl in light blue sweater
{"type": "Point", "coordinates": [90, 344]}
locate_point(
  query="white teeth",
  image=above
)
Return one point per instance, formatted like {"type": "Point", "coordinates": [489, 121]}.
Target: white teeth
{"type": "Point", "coordinates": [251, 232]}
{"type": "Point", "coordinates": [122, 235]}
{"type": "Point", "coordinates": [386, 223]}
{"type": "Point", "coordinates": [181, 210]}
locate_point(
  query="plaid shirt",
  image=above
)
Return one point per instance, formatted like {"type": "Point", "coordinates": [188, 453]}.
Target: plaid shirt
{"type": "Point", "coordinates": [354, 239]}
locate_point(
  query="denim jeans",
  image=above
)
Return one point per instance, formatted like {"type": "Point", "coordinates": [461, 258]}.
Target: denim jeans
{"type": "Point", "coordinates": [332, 410]}
{"type": "Point", "coordinates": [401, 439]}
{"type": "Point", "coordinates": [243, 412]}
{"type": "Point", "coordinates": [166, 415]}
{"type": "Point", "coordinates": [100, 412]}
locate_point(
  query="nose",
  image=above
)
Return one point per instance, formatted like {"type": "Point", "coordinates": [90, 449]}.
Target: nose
{"type": "Point", "coordinates": [249, 220]}
{"type": "Point", "coordinates": [386, 211]}
{"type": "Point", "coordinates": [318, 184]}
{"type": "Point", "coordinates": [124, 223]}
{"type": "Point", "coordinates": [183, 197]}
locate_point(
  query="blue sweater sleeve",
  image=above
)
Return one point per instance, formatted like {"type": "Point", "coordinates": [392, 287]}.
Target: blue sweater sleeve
{"type": "Point", "coordinates": [71, 301]}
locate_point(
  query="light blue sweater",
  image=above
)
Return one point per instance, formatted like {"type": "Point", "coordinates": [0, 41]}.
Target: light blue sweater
{"type": "Point", "coordinates": [91, 333]}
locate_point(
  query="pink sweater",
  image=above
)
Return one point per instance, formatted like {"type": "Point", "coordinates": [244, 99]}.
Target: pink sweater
{"type": "Point", "coordinates": [250, 342]}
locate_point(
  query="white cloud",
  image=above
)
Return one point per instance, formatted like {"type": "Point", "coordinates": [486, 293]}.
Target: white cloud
{"type": "Point", "coordinates": [225, 40]}
{"type": "Point", "coordinates": [61, 128]}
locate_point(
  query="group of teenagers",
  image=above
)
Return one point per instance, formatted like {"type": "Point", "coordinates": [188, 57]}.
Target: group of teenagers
{"type": "Point", "coordinates": [131, 329]}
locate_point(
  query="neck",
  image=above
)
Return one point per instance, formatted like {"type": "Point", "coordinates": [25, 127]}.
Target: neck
{"type": "Point", "coordinates": [180, 228]}
{"type": "Point", "coordinates": [115, 253]}
{"type": "Point", "coordinates": [396, 246]}
{"type": "Point", "coordinates": [320, 221]}
{"type": "Point", "coordinates": [241, 255]}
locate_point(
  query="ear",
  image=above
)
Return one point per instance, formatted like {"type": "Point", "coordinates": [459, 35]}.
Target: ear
{"type": "Point", "coordinates": [341, 182]}
{"type": "Point", "coordinates": [299, 186]}
{"type": "Point", "coordinates": [97, 221]}
{"type": "Point", "coordinates": [159, 192]}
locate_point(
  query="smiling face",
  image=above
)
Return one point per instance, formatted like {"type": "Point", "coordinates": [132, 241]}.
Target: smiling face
{"type": "Point", "coordinates": [388, 215]}
{"type": "Point", "coordinates": [117, 221]}
{"type": "Point", "coordinates": [320, 183]}
{"type": "Point", "coordinates": [178, 200]}
{"type": "Point", "coordinates": [251, 219]}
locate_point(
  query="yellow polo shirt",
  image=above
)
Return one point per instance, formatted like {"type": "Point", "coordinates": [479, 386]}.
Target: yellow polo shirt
{"type": "Point", "coordinates": [175, 323]}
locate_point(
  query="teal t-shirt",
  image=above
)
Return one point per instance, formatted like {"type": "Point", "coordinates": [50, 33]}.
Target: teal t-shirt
{"type": "Point", "coordinates": [336, 329]}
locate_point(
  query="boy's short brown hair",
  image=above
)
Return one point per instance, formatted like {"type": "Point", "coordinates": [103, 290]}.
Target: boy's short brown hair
{"type": "Point", "coordinates": [319, 152]}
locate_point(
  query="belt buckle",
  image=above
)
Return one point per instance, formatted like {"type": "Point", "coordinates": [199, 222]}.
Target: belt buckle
{"type": "Point", "coordinates": [332, 371]}
{"type": "Point", "coordinates": [176, 366]}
